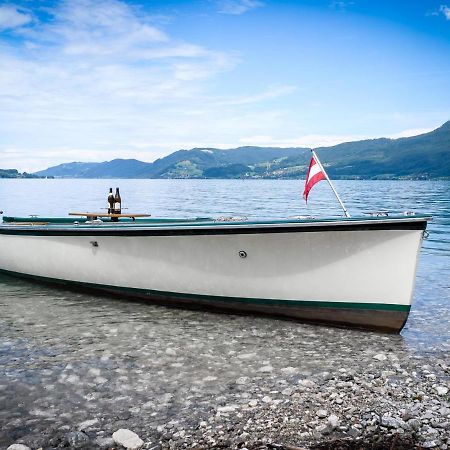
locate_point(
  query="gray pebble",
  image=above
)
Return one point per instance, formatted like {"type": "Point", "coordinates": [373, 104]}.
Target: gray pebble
{"type": "Point", "coordinates": [77, 439]}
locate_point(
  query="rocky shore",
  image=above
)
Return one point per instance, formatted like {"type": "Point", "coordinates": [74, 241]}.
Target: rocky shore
{"type": "Point", "coordinates": [383, 404]}
{"type": "Point", "coordinates": [97, 373]}
{"type": "Point", "coordinates": [388, 405]}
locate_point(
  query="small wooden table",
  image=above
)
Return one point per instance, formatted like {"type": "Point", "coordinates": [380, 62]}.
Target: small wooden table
{"type": "Point", "coordinates": [113, 217]}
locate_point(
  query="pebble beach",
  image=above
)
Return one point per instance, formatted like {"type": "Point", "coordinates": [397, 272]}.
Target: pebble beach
{"type": "Point", "coordinates": [79, 371]}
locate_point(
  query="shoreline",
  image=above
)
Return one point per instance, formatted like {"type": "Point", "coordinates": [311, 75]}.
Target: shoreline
{"type": "Point", "coordinates": [384, 398]}
{"type": "Point", "coordinates": [392, 408]}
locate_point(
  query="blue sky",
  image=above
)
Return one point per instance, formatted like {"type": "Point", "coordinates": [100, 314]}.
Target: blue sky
{"type": "Point", "coordinates": [93, 80]}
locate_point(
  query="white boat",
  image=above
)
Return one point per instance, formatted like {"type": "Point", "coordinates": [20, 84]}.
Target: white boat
{"type": "Point", "coordinates": [356, 272]}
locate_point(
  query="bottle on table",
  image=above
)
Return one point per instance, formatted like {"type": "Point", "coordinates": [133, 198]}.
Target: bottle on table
{"type": "Point", "coordinates": [117, 202]}
{"type": "Point", "coordinates": [110, 201]}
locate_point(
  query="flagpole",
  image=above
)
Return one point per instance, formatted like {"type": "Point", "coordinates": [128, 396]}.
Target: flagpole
{"type": "Point", "coordinates": [331, 184]}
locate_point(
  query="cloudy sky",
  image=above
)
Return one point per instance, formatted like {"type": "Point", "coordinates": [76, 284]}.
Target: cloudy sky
{"type": "Point", "coordinates": [93, 80]}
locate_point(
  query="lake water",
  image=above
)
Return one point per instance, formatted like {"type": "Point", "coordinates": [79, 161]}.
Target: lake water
{"type": "Point", "coordinates": [429, 322]}
{"type": "Point", "coordinates": [68, 357]}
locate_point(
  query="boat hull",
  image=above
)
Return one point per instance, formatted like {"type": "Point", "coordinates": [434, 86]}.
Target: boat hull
{"type": "Point", "coordinates": [358, 274]}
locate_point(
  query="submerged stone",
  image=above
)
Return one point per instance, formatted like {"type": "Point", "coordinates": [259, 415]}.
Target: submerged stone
{"type": "Point", "coordinates": [128, 439]}
{"type": "Point", "coordinates": [77, 439]}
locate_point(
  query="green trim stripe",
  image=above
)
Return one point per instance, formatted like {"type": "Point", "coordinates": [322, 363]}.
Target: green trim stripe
{"type": "Point", "coordinates": [202, 297]}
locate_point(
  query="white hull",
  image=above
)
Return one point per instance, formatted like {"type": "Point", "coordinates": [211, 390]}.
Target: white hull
{"type": "Point", "coordinates": [365, 269]}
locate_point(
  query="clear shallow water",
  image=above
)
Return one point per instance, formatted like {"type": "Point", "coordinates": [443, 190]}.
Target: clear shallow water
{"type": "Point", "coordinates": [67, 357]}
{"type": "Point", "coordinates": [427, 330]}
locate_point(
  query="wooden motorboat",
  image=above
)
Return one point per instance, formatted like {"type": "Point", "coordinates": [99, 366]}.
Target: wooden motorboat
{"type": "Point", "coordinates": [356, 272]}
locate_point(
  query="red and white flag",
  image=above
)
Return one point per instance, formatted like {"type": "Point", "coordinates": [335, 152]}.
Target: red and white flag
{"type": "Point", "coordinates": [315, 174]}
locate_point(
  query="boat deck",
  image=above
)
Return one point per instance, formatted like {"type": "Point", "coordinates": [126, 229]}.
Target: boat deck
{"type": "Point", "coordinates": [197, 221]}
{"type": "Point", "coordinates": [81, 220]}
{"type": "Point", "coordinates": [202, 225]}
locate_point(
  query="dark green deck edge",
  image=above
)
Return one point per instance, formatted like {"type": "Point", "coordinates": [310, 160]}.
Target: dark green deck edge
{"type": "Point", "coordinates": [174, 295]}
{"type": "Point", "coordinates": [209, 228]}
{"type": "Point", "coordinates": [81, 219]}
{"type": "Point", "coordinates": [205, 221]}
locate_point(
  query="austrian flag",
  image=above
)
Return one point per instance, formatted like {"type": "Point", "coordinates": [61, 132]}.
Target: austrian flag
{"type": "Point", "coordinates": [315, 174]}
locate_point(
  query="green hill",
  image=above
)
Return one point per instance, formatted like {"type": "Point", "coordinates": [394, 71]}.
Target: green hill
{"type": "Point", "coordinates": [13, 173]}
{"type": "Point", "coordinates": [426, 156]}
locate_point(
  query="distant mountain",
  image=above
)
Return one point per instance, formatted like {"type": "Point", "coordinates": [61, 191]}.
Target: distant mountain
{"type": "Point", "coordinates": [118, 168]}
{"type": "Point", "coordinates": [195, 163]}
{"type": "Point", "coordinates": [13, 173]}
{"type": "Point", "coordinates": [426, 156]}
{"type": "Point", "coordinates": [68, 170]}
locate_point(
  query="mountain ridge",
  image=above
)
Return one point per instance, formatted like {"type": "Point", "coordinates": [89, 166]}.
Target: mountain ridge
{"type": "Point", "coordinates": [425, 156]}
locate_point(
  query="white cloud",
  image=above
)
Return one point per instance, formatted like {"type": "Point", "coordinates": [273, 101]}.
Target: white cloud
{"type": "Point", "coordinates": [340, 5]}
{"type": "Point", "coordinates": [237, 7]}
{"type": "Point", "coordinates": [308, 140]}
{"type": "Point", "coordinates": [322, 140]}
{"type": "Point", "coordinates": [411, 132]}
{"type": "Point", "coordinates": [444, 9]}
{"type": "Point", "coordinates": [12, 17]}
{"type": "Point", "coordinates": [272, 92]}
{"type": "Point", "coordinates": [97, 76]}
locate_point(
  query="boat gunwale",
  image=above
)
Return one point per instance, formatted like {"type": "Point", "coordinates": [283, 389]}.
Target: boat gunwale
{"type": "Point", "coordinates": [212, 227]}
